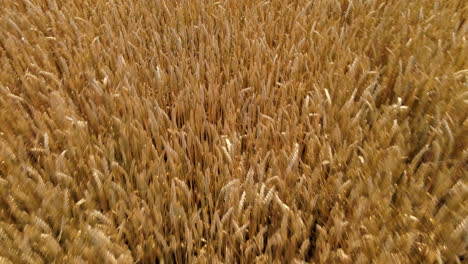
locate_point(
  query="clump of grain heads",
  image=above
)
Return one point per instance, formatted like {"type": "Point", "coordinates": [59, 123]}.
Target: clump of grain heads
{"type": "Point", "coordinates": [233, 131]}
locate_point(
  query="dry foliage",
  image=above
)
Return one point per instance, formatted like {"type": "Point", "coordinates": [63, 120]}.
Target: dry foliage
{"type": "Point", "coordinates": [325, 131]}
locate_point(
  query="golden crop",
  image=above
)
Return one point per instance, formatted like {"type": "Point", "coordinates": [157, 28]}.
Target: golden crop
{"type": "Point", "coordinates": [233, 131]}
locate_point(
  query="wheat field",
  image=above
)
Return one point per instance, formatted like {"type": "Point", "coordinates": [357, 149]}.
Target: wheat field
{"type": "Point", "coordinates": [233, 131]}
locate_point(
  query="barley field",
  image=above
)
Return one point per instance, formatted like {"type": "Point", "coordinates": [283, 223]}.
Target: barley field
{"type": "Point", "coordinates": [233, 131]}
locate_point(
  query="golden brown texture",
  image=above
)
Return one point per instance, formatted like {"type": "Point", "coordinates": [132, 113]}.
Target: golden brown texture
{"type": "Point", "coordinates": [233, 131]}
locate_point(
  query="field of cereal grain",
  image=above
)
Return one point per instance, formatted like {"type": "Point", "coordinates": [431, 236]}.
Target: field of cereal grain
{"type": "Point", "coordinates": [236, 131]}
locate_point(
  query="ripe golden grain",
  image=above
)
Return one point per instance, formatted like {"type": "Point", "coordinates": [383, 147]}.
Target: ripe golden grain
{"type": "Point", "coordinates": [233, 131]}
